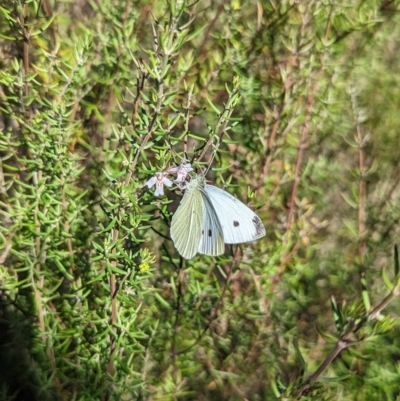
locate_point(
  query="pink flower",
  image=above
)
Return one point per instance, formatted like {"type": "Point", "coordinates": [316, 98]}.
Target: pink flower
{"type": "Point", "coordinates": [160, 179]}
{"type": "Point", "coordinates": [181, 171]}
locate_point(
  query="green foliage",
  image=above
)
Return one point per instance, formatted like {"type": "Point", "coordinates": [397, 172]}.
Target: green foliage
{"type": "Point", "coordinates": [297, 101]}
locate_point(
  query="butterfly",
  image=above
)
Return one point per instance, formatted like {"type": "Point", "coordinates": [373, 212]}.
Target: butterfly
{"type": "Point", "coordinates": [208, 218]}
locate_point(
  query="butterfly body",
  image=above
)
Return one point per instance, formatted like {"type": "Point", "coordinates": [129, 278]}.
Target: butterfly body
{"type": "Point", "coordinates": [208, 217]}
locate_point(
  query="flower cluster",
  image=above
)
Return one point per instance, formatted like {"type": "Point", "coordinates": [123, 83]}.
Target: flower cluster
{"type": "Point", "coordinates": [161, 178]}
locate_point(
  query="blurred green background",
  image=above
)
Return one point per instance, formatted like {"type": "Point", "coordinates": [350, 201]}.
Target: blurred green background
{"type": "Point", "coordinates": [299, 100]}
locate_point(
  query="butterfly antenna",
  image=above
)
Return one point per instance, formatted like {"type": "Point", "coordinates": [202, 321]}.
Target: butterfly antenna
{"type": "Point", "coordinates": [183, 158]}
{"type": "Point", "coordinates": [211, 161]}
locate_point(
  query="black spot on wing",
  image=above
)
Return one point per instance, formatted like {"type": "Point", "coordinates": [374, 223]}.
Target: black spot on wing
{"type": "Point", "coordinates": [209, 233]}
{"type": "Point", "coordinates": [258, 226]}
{"type": "Point", "coordinates": [235, 224]}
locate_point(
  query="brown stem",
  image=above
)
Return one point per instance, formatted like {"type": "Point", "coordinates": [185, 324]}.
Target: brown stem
{"type": "Point", "coordinates": [38, 285]}
{"type": "Point", "coordinates": [300, 155]}
{"type": "Point", "coordinates": [361, 195]}
{"type": "Point", "coordinates": [25, 43]}
{"type": "Point", "coordinates": [339, 347]}
{"type": "Point", "coordinates": [114, 317]}
{"type": "Point", "coordinates": [115, 232]}
{"type": "Point", "coordinates": [189, 101]}
{"type": "Point", "coordinates": [271, 142]}
{"type": "Point", "coordinates": [176, 323]}
{"type": "Point", "coordinates": [209, 30]}
{"type": "Point", "coordinates": [217, 304]}
{"type": "Point", "coordinates": [49, 13]}
{"type": "Point", "coordinates": [160, 96]}
{"type": "Point", "coordinates": [25, 54]}
{"type": "Point", "coordinates": [140, 81]}
{"type": "Point", "coordinates": [344, 342]}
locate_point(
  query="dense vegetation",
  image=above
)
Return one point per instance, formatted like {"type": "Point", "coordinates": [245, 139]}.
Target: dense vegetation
{"type": "Point", "coordinates": [298, 100]}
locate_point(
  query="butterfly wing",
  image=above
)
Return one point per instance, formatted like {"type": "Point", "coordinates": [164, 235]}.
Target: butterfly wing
{"type": "Point", "coordinates": [239, 223]}
{"type": "Point", "coordinates": [212, 240]}
{"type": "Point", "coordinates": [187, 223]}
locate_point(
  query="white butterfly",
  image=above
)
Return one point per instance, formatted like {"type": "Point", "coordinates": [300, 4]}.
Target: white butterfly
{"type": "Point", "coordinates": [208, 217]}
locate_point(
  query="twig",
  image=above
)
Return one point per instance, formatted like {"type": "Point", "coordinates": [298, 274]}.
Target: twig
{"type": "Point", "coordinates": [151, 128]}
{"type": "Point", "coordinates": [176, 323]}
{"type": "Point", "coordinates": [215, 307]}
{"type": "Point", "coordinates": [209, 30]}
{"type": "Point", "coordinates": [271, 141]}
{"type": "Point", "coordinates": [300, 155]}
{"type": "Point", "coordinates": [344, 341]}
{"type": "Point", "coordinates": [140, 81]}
{"type": "Point", "coordinates": [160, 97]}
{"type": "Point", "coordinates": [188, 103]}
{"type": "Point", "coordinates": [362, 186]}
